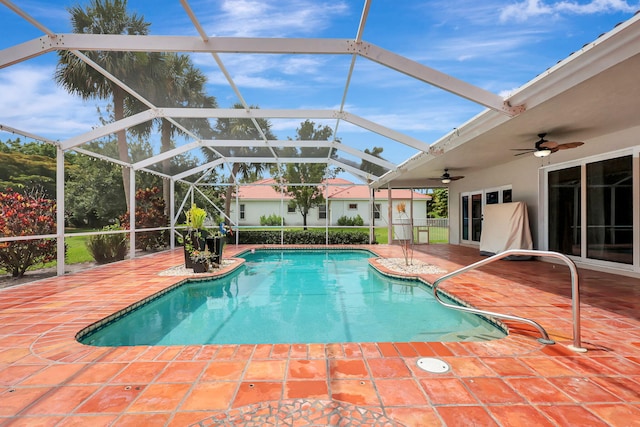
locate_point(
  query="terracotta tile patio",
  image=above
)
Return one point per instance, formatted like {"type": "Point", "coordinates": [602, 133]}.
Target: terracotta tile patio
{"type": "Point", "coordinates": [47, 378]}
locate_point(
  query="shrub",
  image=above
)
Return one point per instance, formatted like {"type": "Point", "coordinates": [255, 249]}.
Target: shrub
{"type": "Point", "coordinates": [271, 220]}
{"type": "Point", "coordinates": [301, 237]}
{"type": "Point", "coordinates": [106, 248]}
{"type": "Point", "coordinates": [26, 215]}
{"type": "Point", "coordinates": [149, 214]}
{"type": "Point", "coordinates": [345, 221]}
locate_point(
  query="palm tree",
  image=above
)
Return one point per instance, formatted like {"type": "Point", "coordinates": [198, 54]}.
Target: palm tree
{"type": "Point", "coordinates": [240, 129]}
{"type": "Point", "coordinates": [373, 168]}
{"type": "Point", "coordinates": [78, 78]}
{"type": "Point", "coordinates": [181, 85]}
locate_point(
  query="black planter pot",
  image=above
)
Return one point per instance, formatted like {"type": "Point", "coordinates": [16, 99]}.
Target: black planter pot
{"type": "Point", "coordinates": [200, 267]}
{"type": "Point", "coordinates": [216, 245]}
{"type": "Point", "coordinates": [198, 243]}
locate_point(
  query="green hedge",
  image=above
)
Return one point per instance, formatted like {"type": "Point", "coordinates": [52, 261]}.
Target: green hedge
{"type": "Point", "coordinates": [299, 237]}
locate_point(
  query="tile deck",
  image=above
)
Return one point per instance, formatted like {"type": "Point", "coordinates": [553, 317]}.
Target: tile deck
{"type": "Point", "coordinates": [49, 379]}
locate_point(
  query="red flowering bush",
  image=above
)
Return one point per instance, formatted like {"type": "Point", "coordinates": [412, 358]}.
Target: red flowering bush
{"type": "Point", "coordinates": [149, 214]}
{"type": "Point", "coordinates": [26, 215]}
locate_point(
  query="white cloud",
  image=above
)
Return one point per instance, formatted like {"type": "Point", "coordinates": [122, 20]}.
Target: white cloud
{"type": "Point", "coordinates": [527, 9]}
{"type": "Point", "coordinates": [32, 102]}
{"type": "Point", "coordinates": [274, 18]}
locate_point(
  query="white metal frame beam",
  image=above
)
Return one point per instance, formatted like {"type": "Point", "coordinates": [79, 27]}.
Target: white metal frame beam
{"type": "Point", "coordinates": [256, 45]}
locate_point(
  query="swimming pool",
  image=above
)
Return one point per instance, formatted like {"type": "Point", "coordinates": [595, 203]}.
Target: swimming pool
{"type": "Point", "coordinates": [289, 296]}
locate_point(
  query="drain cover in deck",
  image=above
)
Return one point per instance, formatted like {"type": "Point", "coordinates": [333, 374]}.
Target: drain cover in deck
{"type": "Point", "coordinates": [435, 366]}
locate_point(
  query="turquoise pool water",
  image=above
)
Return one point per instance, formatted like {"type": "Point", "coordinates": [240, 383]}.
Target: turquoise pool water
{"type": "Point", "coordinates": [295, 297]}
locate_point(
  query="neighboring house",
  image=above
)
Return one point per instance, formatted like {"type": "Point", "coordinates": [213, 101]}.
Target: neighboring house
{"type": "Point", "coordinates": [343, 198]}
{"type": "Point", "coordinates": [583, 201]}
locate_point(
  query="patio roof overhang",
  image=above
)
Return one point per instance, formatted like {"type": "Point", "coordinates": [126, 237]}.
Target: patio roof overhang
{"type": "Point", "coordinates": [593, 92]}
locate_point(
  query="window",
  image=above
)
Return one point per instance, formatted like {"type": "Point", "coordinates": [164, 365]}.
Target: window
{"type": "Point", "coordinates": [492, 197]}
{"type": "Point", "coordinates": [291, 208]}
{"type": "Point", "coordinates": [376, 211]}
{"type": "Point", "coordinates": [322, 212]}
{"type": "Point", "coordinates": [353, 206]}
{"type": "Point", "coordinates": [242, 211]}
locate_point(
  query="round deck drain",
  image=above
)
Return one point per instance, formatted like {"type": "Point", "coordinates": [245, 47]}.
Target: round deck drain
{"type": "Point", "coordinates": [435, 366]}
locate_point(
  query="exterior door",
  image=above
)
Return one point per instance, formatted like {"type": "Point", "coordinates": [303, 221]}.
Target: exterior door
{"type": "Point", "coordinates": [471, 217]}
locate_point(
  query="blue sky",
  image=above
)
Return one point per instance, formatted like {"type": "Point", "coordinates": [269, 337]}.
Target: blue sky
{"type": "Point", "coordinates": [496, 45]}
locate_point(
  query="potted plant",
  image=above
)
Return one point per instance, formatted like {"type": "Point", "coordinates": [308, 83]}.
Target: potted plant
{"type": "Point", "coordinates": [216, 243]}
{"type": "Point", "coordinates": [194, 239]}
{"type": "Point", "coordinates": [200, 260]}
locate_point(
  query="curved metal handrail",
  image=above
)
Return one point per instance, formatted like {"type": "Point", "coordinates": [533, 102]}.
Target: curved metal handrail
{"type": "Point", "coordinates": [575, 291]}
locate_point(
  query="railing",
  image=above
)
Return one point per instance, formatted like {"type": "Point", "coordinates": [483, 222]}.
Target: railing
{"type": "Point", "coordinates": [575, 294]}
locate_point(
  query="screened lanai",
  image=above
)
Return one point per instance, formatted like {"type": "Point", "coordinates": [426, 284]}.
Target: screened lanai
{"type": "Point", "coordinates": [145, 108]}
{"type": "Point", "coordinates": [354, 72]}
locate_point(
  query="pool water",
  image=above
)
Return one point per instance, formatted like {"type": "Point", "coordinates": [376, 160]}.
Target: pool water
{"type": "Point", "coordinates": [290, 296]}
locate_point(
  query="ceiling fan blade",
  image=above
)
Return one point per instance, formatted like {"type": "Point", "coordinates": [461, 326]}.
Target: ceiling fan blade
{"type": "Point", "coordinates": [549, 144]}
{"type": "Point", "coordinates": [525, 152]}
{"type": "Point", "coordinates": [455, 178]}
{"type": "Point", "coordinates": [570, 145]}
{"type": "Point", "coordinates": [521, 149]}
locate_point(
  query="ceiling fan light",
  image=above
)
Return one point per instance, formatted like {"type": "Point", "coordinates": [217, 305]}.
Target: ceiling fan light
{"type": "Point", "coordinates": [542, 153]}
{"type": "Point", "coordinates": [446, 180]}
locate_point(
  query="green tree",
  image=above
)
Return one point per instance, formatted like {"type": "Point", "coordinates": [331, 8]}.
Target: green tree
{"type": "Point", "coordinates": [28, 166]}
{"type": "Point", "coordinates": [438, 207]}
{"type": "Point", "coordinates": [372, 168]}
{"type": "Point", "coordinates": [306, 197]}
{"type": "Point", "coordinates": [241, 129]}
{"type": "Point", "coordinates": [93, 190]}
{"type": "Point", "coordinates": [134, 68]}
{"type": "Point", "coordinates": [181, 85]}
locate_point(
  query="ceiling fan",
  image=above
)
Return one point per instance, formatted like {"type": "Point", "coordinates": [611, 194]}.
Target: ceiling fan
{"type": "Point", "coordinates": [447, 178]}
{"type": "Point", "coordinates": [545, 147]}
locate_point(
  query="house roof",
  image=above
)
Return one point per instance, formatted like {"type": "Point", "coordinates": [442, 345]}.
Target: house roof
{"type": "Point", "coordinates": [338, 189]}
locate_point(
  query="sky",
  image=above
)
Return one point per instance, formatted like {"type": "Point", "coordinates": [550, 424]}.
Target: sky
{"type": "Point", "coordinates": [495, 45]}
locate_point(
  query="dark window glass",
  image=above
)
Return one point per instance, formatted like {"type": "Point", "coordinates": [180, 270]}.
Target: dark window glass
{"type": "Point", "coordinates": [610, 210]}
{"type": "Point", "coordinates": [322, 212]}
{"type": "Point", "coordinates": [492, 198]}
{"type": "Point", "coordinates": [564, 211]}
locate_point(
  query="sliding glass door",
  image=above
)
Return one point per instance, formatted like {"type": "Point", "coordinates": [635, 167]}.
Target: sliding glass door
{"type": "Point", "coordinates": [598, 194]}
{"type": "Point", "coordinates": [610, 210]}
{"type": "Point", "coordinates": [564, 210]}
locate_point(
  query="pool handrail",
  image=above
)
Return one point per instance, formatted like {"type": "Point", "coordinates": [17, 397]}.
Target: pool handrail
{"type": "Point", "coordinates": [575, 293]}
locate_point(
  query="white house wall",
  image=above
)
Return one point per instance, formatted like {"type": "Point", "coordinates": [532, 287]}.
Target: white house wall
{"type": "Point", "coordinates": [523, 175]}
{"type": "Point", "coordinates": [254, 209]}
